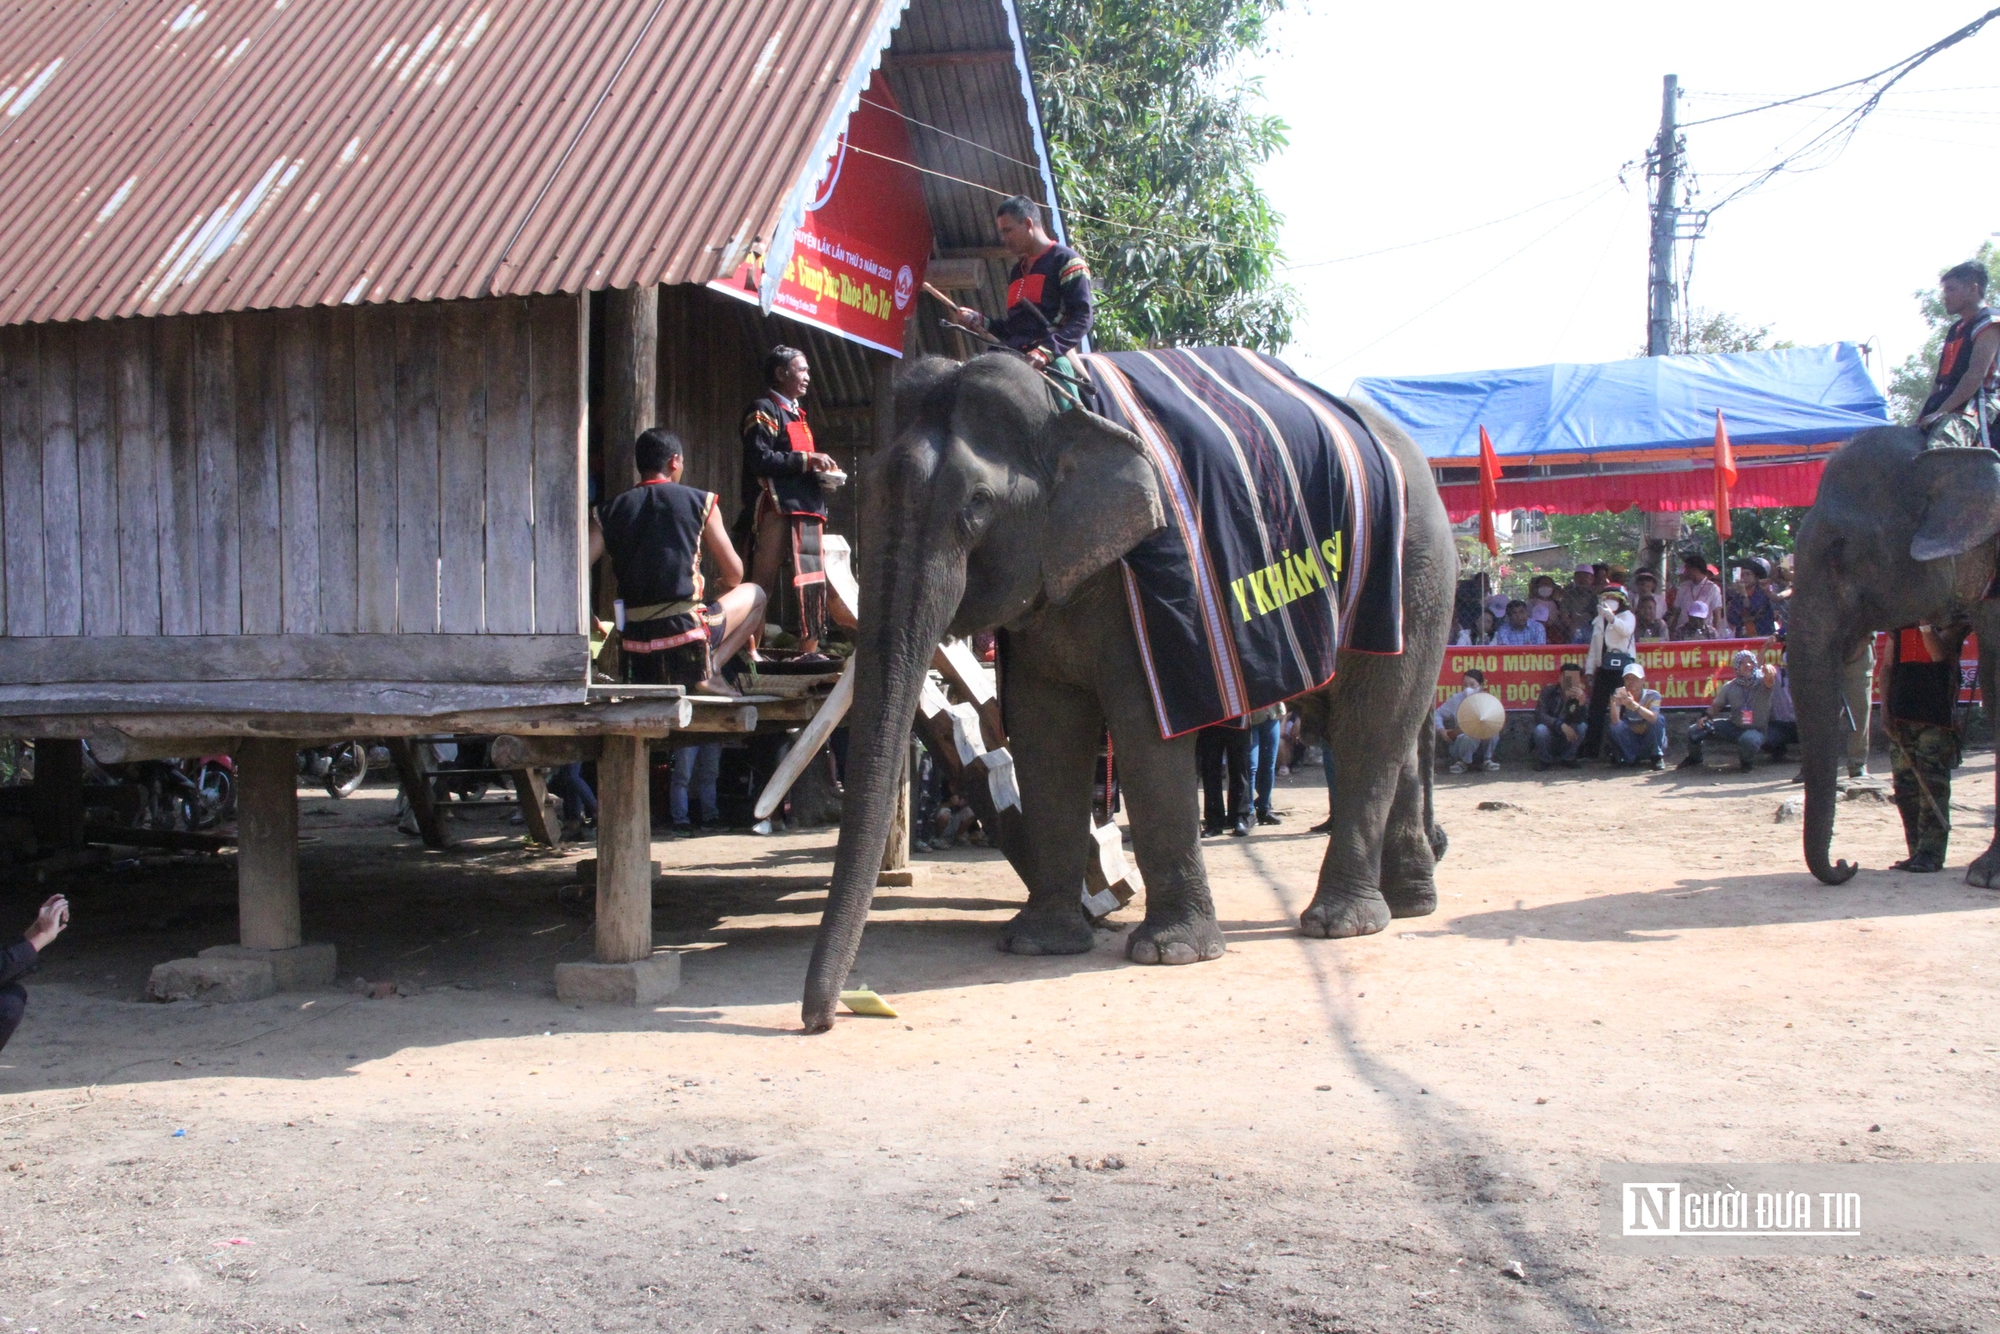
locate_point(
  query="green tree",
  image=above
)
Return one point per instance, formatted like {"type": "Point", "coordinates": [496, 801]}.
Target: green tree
{"type": "Point", "coordinates": [1707, 330]}
{"type": "Point", "coordinates": [1910, 383]}
{"type": "Point", "coordinates": [1611, 538]}
{"type": "Point", "coordinates": [1155, 139]}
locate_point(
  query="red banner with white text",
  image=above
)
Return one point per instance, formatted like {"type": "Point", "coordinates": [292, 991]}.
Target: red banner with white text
{"type": "Point", "coordinates": [859, 255]}
{"type": "Point", "coordinates": [1684, 671]}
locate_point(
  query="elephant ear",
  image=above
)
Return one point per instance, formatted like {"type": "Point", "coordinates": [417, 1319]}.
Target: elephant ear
{"type": "Point", "coordinates": [1106, 499]}
{"type": "Point", "coordinates": [1962, 505]}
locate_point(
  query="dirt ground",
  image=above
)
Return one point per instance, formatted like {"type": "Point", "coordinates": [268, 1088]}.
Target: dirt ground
{"type": "Point", "coordinates": [1305, 1135]}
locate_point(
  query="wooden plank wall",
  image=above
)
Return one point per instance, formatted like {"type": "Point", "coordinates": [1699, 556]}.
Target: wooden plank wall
{"type": "Point", "coordinates": [711, 348]}
{"type": "Point", "coordinates": [369, 470]}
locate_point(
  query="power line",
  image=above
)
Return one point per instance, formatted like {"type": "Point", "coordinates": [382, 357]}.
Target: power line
{"type": "Point", "coordinates": [1900, 68]}
{"type": "Point", "coordinates": [1264, 251]}
{"type": "Point", "coordinates": [1837, 135]}
{"type": "Point", "coordinates": [1411, 245]}
{"type": "Point", "coordinates": [1469, 284]}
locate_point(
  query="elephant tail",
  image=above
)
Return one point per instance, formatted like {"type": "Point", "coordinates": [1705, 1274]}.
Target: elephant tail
{"type": "Point", "coordinates": [1426, 767]}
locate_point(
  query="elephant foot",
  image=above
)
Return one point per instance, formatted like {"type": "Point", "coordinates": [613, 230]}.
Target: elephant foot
{"type": "Point", "coordinates": [1194, 940]}
{"type": "Point", "coordinates": [1342, 916]}
{"type": "Point", "coordinates": [1985, 869]}
{"type": "Point", "coordinates": [1413, 899]}
{"type": "Point", "coordinates": [1065, 931]}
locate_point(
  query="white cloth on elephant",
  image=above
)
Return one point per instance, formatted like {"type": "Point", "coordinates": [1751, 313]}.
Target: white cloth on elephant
{"type": "Point", "coordinates": [1615, 633]}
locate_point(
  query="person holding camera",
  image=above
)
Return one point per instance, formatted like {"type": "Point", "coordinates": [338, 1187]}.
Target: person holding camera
{"type": "Point", "coordinates": [1637, 728]}
{"type": "Point", "coordinates": [22, 957]}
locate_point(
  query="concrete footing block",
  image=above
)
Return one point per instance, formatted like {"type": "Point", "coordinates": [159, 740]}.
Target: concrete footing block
{"type": "Point", "coordinates": [301, 968]}
{"type": "Point", "coordinates": [901, 879]}
{"type": "Point", "coordinates": [211, 980]}
{"type": "Point", "coordinates": [643, 983]}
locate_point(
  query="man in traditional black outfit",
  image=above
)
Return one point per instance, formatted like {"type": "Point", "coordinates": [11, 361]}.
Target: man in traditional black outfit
{"type": "Point", "coordinates": [1049, 310]}
{"type": "Point", "coordinates": [656, 534]}
{"type": "Point", "coordinates": [783, 496]}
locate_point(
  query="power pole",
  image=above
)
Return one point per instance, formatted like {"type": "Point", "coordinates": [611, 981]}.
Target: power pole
{"type": "Point", "coordinates": [1664, 166]}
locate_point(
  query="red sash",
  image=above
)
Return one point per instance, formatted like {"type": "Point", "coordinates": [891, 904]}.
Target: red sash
{"type": "Point", "coordinates": [1028, 289]}
{"type": "Point", "coordinates": [800, 435]}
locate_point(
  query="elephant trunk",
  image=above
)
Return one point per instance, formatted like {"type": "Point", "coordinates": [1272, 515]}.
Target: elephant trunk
{"type": "Point", "coordinates": [1817, 663]}
{"type": "Point", "coordinates": [906, 603]}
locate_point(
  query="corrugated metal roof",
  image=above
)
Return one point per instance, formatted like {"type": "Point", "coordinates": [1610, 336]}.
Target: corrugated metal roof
{"type": "Point", "coordinates": [164, 157]}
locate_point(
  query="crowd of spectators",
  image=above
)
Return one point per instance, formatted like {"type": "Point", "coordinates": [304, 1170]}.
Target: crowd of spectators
{"type": "Point", "coordinates": [1600, 705]}
{"type": "Point", "coordinates": [1694, 606]}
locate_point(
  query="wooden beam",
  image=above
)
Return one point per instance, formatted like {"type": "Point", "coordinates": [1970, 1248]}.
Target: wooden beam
{"type": "Point", "coordinates": [58, 798]}
{"type": "Point", "coordinates": [624, 851]}
{"type": "Point", "coordinates": [533, 795]}
{"type": "Point", "coordinates": [117, 748]}
{"type": "Point", "coordinates": [267, 851]}
{"type": "Point", "coordinates": [742, 718]}
{"type": "Point", "coordinates": [176, 840]}
{"type": "Point", "coordinates": [433, 659]}
{"type": "Point", "coordinates": [995, 55]}
{"type": "Point", "coordinates": [536, 752]}
{"type": "Point", "coordinates": [413, 698]}
{"type": "Point", "coordinates": [417, 790]}
{"type": "Point", "coordinates": [631, 379]}
{"type": "Point", "coordinates": [956, 275]}
{"type": "Point", "coordinates": [976, 252]}
{"type": "Point", "coordinates": [633, 718]}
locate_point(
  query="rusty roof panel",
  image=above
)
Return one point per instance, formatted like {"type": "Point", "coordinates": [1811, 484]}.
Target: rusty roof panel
{"type": "Point", "coordinates": [161, 157]}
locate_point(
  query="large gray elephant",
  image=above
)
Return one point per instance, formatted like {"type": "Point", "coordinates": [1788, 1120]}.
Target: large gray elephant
{"type": "Point", "coordinates": [1898, 535]}
{"type": "Point", "coordinates": [991, 510]}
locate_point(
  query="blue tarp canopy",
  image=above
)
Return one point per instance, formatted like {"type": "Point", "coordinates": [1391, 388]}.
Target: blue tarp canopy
{"type": "Point", "coordinates": [1624, 410]}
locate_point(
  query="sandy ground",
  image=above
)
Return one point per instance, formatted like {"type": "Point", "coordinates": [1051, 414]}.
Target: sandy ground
{"type": "Point", "coordinates": [1304, 1135]}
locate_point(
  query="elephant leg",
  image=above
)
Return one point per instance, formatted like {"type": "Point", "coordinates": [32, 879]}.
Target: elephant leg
{"type": "Point", "coordinates": [1409, 884]}
{"type": "Point", "coordinates": [1054, 743]}
{"type": "Point", "coordinates": [1157, 779]}
{"type": "Point", "coordinates": [1374, 713]}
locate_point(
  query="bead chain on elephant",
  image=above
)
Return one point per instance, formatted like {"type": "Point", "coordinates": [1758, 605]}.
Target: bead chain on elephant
{"type": "Point", "coordinates": [993, 510]}
{"type": "Point", "coordinates": [1897, 536]}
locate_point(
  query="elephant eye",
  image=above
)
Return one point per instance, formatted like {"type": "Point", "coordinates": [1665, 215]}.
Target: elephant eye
{"type": "Point", "coordinates": [978, 512]}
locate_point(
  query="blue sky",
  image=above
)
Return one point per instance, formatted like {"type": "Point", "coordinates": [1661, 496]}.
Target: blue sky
{"type": "Point", "coordinates": [1408, 122]}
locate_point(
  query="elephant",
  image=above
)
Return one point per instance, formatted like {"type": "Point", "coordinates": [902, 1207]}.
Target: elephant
{"type": "Point", "coordinates": [992, 509]}
{"type": "Point", "coordinates": [1898, 535]}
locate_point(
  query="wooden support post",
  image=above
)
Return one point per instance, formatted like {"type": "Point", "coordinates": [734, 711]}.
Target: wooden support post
{"type": "Point", "coordinates": [882, 398]}
{"type": "Point", "coordinates": [533, 795]}
{"type": "Point", "coordinates": [631, 379]}
{"type": "Point", "coordinates": [624, 851]}
{"type": "Point", "coordinates": [417, 790]}
{"type": "Point", "coordinates": [58, 794]}
{"type": "Point", "coordinates": [267, 844]}
{"type": "Point", "coordinates": [896, 851]}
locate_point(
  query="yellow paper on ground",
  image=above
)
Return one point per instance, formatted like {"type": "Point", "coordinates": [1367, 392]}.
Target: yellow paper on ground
{"type": "Point", "coordinates": [864, 1001]}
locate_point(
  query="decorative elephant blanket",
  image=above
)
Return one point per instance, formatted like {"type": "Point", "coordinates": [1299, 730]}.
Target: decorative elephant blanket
{"type": "Point", "coordinates": [1284, 537]}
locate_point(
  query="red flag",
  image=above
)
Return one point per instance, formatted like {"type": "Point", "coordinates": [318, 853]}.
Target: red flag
{"type": "Point", "coordinates": [1489, 491]}
{"type": "Point", "coordinates": [1725, 475]}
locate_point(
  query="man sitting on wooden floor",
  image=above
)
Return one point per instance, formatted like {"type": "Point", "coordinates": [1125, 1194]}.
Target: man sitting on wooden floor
{"type": "Point", "coordinates": [656, 534]}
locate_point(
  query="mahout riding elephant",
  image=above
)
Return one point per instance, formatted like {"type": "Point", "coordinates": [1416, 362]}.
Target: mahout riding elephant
{"type": "Point", "coordinates": [1898, 535]}
{"type": "Point", "coordinates": [993, 509]}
